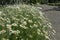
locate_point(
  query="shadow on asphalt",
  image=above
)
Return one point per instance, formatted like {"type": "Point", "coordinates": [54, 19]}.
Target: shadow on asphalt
{"type": "Point", "coordinates": [53, 9]}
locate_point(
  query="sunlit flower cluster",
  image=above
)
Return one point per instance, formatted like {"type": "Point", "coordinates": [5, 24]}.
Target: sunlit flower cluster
{"type": "Point", "coordinates": [23, 22]}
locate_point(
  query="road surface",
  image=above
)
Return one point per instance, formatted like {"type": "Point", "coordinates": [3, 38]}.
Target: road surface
{"type": "Point", "coordinates": [53, 14]}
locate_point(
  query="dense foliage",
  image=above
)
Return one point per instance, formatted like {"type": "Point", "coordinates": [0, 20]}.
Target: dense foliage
{"type": "Point", "coordinates": [53, 1]}
{"type": "Point", "coordinates": [4, 2]}
{"type": "Point", "coordinates": [22, 1]}
{"type": "Point", "coordinates": [23, 23]}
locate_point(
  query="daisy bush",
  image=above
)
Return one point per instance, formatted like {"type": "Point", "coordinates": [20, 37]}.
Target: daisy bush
{"type": "Point", "coordinates": [23, 22]}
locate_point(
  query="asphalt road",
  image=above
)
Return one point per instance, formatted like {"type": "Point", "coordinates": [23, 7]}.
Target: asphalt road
{"type": "Point", "coordinates": [53, 14]}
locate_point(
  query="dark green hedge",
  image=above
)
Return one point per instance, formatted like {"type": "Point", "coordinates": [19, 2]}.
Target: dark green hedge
{"type": "Point", "coordinates": [27, 1]}
{"type": "Point", "coordinates": [22, 1]}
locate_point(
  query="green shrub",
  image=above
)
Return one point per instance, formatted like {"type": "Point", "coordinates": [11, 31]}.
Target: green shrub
{"type": "Point", "coordinates": [23, 22]}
